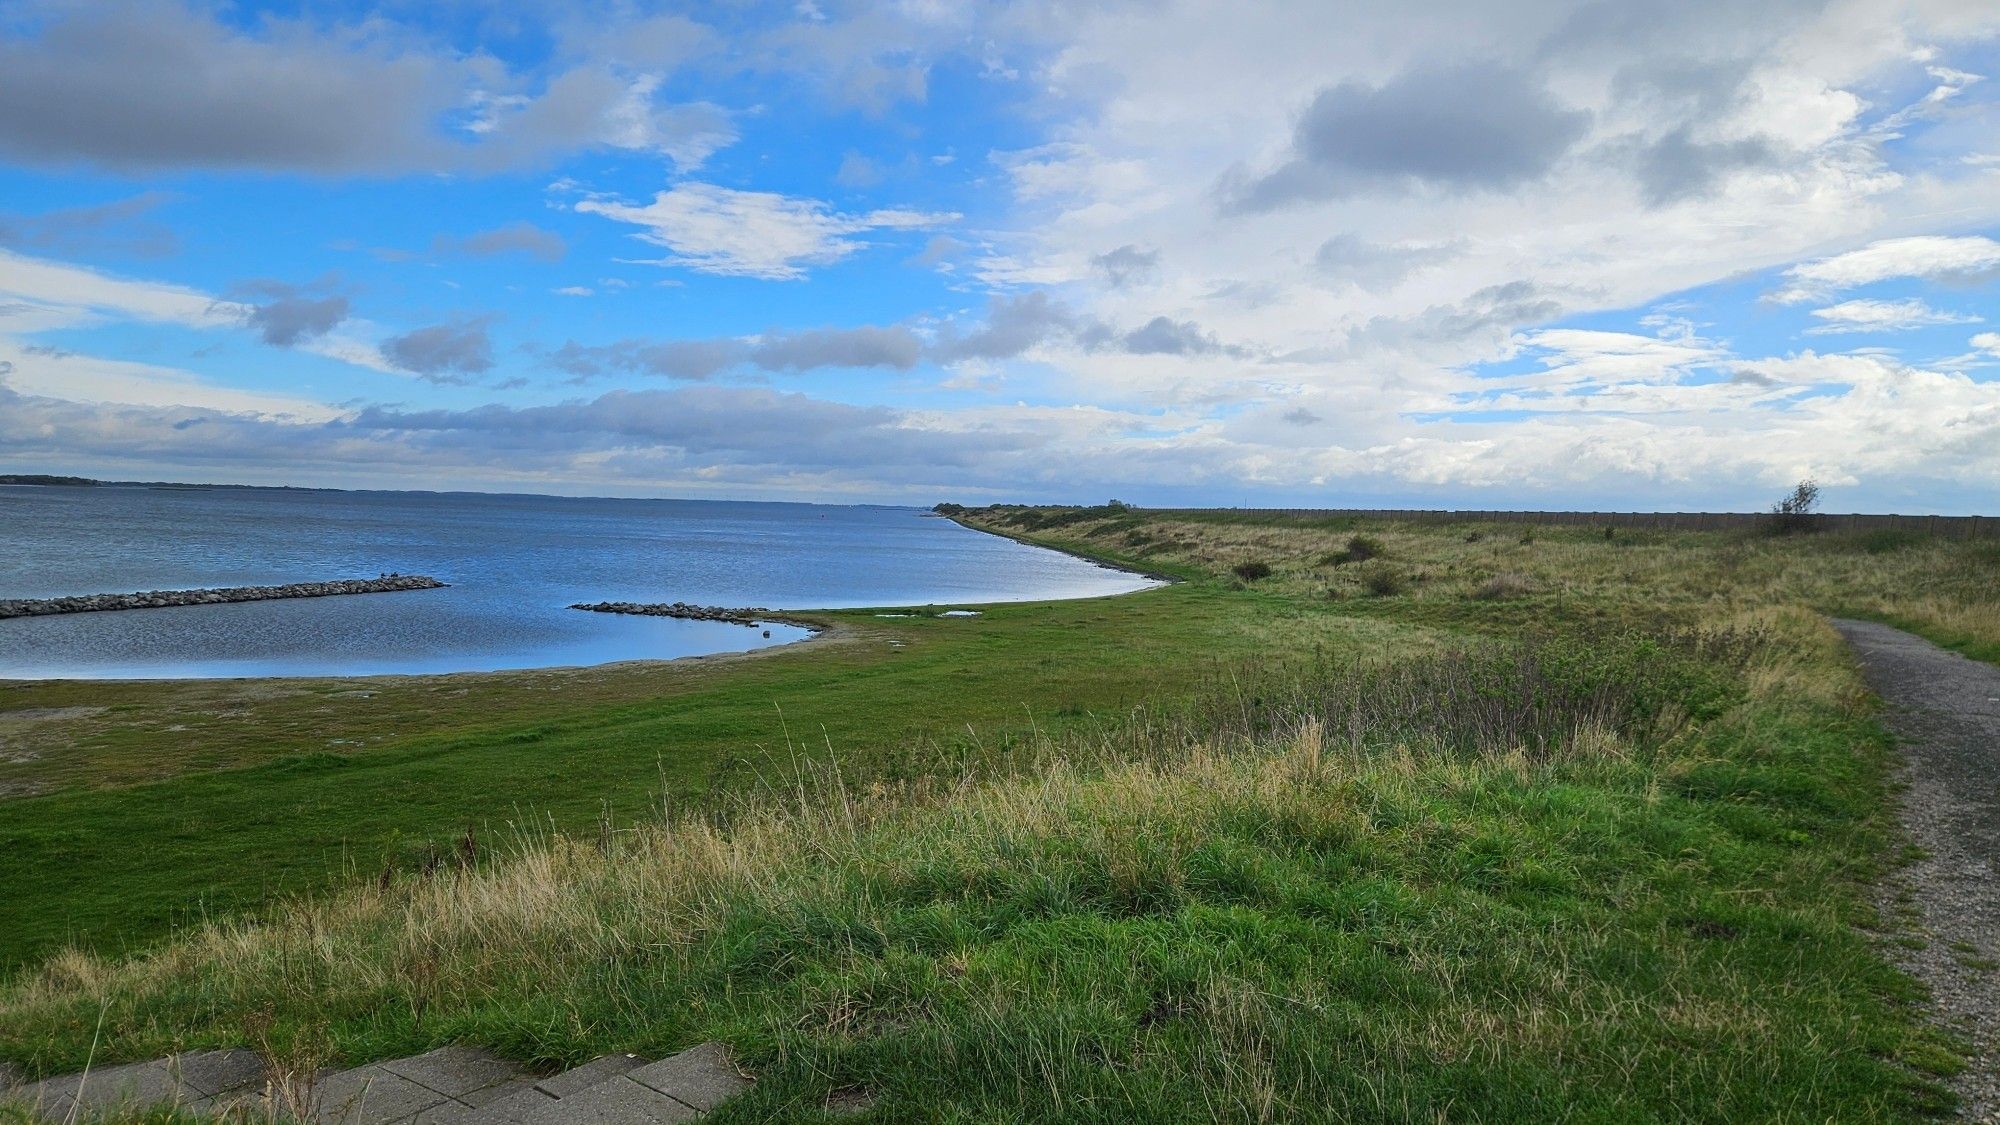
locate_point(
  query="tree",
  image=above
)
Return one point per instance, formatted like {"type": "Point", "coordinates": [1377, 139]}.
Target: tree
{"type": "Point", "coordinates": [1796, 511]}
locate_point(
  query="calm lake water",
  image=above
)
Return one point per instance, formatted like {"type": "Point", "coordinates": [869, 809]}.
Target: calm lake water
{"type": "Point", "coordinates": [514, 563]}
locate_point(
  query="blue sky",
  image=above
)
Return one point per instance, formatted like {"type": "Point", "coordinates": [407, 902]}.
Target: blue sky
{"type": "Point", "coordinates": [1530, 254]}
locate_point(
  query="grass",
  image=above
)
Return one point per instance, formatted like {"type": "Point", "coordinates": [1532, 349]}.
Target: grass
{"type": "Point", "coordinates": [1284, 852]}
{"type": "Point", "coordinates": [427, 759]}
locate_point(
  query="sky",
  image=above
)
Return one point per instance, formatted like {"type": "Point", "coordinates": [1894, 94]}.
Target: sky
{"type": "Point", "coordinates": [1424, 253]}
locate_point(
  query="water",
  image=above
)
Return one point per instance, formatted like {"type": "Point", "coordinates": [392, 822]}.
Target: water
{"type": "Point", "coordinates": [514, 564]}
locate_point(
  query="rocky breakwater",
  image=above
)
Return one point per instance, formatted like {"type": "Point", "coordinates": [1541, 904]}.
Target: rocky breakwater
{"type": "Point", "coordinates": [160, 599]}
{"type": "Point", "coordinates": [686, 612]}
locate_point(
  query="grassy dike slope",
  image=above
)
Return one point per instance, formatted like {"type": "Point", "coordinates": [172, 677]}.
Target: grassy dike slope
{"type": "Point", "coordinates": [262, 788]}
{"type": "Point", "coordinates": [1617, 871]}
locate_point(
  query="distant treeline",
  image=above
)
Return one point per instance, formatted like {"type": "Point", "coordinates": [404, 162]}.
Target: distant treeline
{"type": "Point", "coordinates": [1952, 527]}
{"type": "Point", "coordinates": [87, 482]}
{"type": "Point", "coordinates": [1955, 527]}
{"type": "Point", "coordinates": [42, 478]}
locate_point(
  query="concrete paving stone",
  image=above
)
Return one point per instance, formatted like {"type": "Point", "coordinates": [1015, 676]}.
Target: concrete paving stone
{"type": "Point", "coordinates": [589, 1074]}
{"type": "Point", "coordinates": [457, 1072]}
{"type": "Point", "coordinates": [96, 1090]}
{"type": "Point", "coordinates": [619, 1101]}
{"type": "Point", "coordinates": [491, 1094]}
{"type": "Point", "coordinates": [531, 1103]}
{"type": "Point", "coordinates": [205, 1074]}
{"type": "Point", "coordinates": [445, 1113]}
{"type": "Point", "coordinates": [370, 1095]}
{"type": "Point", "coordinates": [703, 1076]}
{"type": "Point", "coordinates": [514, 1107]}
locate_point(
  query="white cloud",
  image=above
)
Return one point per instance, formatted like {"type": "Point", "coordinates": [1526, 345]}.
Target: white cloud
{"type": "Point", "coordinates": [74, 294]}
{"type": "Point", "coordinates": [1926, 256]}
{"type": "Point", "coordinates": [1574, 356]}
{"type": "Point", "coordinates": [1866, 315]}
{"type": "Point", "coordinates": [760, 234]}
{"type": "Point", "coordinates": [90, 379]}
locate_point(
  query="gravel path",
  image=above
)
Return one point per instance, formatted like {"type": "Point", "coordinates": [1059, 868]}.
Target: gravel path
{"type": "Point", "coordinates": [1945, 711]}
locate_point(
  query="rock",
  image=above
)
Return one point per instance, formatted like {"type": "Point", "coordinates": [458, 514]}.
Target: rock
{"type": "Point", "coordinates": [685, 612]}
{"type": "Point", "coordinates": [160, 599]}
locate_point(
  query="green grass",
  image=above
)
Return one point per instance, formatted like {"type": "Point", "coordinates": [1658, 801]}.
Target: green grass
{"type": "Point", "coordinates": [1168, 857]}
{"type": "Point", "coordinates": [221, 840]}
{"type": "Point", "coordinates": [1257, 920]}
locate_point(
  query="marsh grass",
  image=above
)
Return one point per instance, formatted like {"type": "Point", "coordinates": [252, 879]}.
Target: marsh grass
{"type": "Point", "coordinates": [1949, 590]}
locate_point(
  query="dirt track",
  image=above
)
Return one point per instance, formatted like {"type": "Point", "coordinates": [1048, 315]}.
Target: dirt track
{"type": "Point", "coordinates": [1945, 712]}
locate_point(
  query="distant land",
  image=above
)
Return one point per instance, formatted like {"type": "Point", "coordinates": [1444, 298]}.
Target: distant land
{"type": "Point", "coordinates": [39, 478]}
{"type": "Point", "coordinates": [88, 482]}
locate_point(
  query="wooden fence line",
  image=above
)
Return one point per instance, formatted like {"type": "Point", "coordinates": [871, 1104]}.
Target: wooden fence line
{"type": "Point", "coordinates": [1953, 527]}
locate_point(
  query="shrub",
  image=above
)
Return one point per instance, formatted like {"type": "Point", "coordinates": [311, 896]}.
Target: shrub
{"type": "Point", "coordinates": [1252, 571]}
{"type": "Point", "coordinates": [1360, 548]}
{"type": "Point", "coordinates": [1385, 581]}
{"type": "Point", "coordinates": [1503, 586]}
{"type": "Point", "coordinates": [1795, 513]}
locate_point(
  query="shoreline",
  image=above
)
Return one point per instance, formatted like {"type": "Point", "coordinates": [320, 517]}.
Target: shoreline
{"type": "Point", "coordinates": [1075, 553]}
{"type": "Point", "coordinates": [822, 628]}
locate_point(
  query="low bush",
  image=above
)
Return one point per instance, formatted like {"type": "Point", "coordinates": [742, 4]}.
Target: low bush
{"type": "Point", "coordinates": [1251, 571]}
{"type": "Point", "coordinates": [1503, 586]}
{"type": "Point", "coordinates": [1385, 581]}
{"type": "Point", "coordinates": [1360, 548]}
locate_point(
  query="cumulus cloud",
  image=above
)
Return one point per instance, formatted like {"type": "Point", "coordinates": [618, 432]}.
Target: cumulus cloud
{"type": "Point", "coordinates": [109, 86]}
{"type": "Point", "coordinates": [1479, 325]}
{"type": "Point", "coordinates": [510, 238]}
{"type": "Point", "coordinates": [671, 359]}
{"type": "Point", "coordinates": [1933, 257]}
{"type": "Point", "coordinates": [857, 171]}
{"type": "Point", "coordinates": [868, 346]}
{"type": "Point", "coordinates": [1883, 316]}
{"type": "Point", "coordinates": [600, 106]}
{"type": "Point", "coordinates": [760, 234]}
{"type": "Point", "coordinates": [1459, 127]}
{"type": "Point", "coordinates": [1677, 167]}
{"type": "Point", "coordinates": [119, 227]}
{"type": "Point", "coordinates": [443, 353]}
{"type": "Point", "coordinates": [678, 434]}
{"type": "Point", "coordinates": [1378, 266]}
{"type": "Point", "coordinates": [1014, 325]}
{"type": "Point", "coordinates": [286, 315]}
{"type": "Point", "coordinates": [1166, 336]}
{"type": "Point", "coordinates": [894, 347]}
{"type": "Point", "coordinates": [1127, 265]}
{"type": "Point", "coordinates": [938, 252]}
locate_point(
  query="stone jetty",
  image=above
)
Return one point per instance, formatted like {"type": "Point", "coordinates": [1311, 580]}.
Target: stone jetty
{"type": "Point", "coordinates": [159, 599]}
{"type": "Point", "coordinates": [686, 612]}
